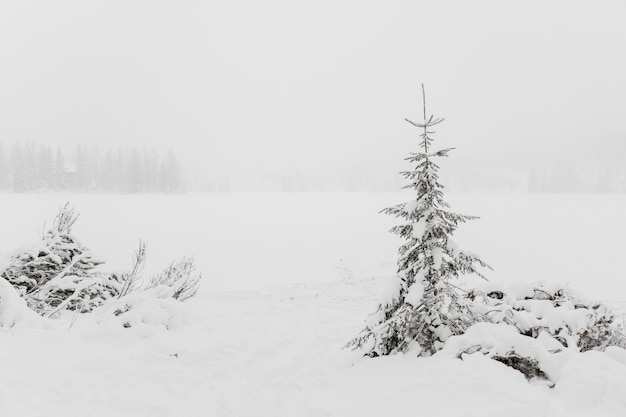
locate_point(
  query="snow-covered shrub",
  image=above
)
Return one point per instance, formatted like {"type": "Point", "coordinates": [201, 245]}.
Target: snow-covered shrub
{"type": "Point", "coordinates": [59, 273]}
{"type": "Point", "coordinates": [181, 277]}
{"type": "Point", "coordinates": [422, 307]}
{"type": "Point", "coordinates": [156, 306]}
{"type": "Point", "coordinates": [530, 323]}
{"type": "Point", "coordinates": [554, 310]}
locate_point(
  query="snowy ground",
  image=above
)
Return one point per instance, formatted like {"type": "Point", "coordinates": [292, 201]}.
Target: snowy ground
{"type": "Point", "coordinates": [288, 280]}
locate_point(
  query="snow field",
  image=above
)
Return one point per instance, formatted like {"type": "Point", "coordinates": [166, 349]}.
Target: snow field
{"type": "Point", "coordinates": [251, 240]}
{"type": "Point", "coordinates": [288, 280]}
{"type": "Point", "coordinates": [276, 352]}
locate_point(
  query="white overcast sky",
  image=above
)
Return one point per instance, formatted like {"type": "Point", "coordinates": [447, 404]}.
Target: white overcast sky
{"type": "Point", "coordinates": [269, 86]}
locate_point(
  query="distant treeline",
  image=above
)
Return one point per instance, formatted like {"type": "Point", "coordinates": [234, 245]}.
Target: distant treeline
{"type": "Point", "coordinates": [28, 167]}
{"type": "Point", "coordinates": [595, 178]}
{"type": "Point", "coordinates": [608, 178]}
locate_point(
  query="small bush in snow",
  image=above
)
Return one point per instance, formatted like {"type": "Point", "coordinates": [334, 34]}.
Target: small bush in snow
{"type": "Point", "coordinates": [181, 277]}
{"type": "Point", "coordinates": [153, 306]}
{"type": "Point", "coordinates": [529, 325]}
{"type": "Point", "coordinates": [59, 273]}
{"type": "Point", "coordinates": [554, 311]}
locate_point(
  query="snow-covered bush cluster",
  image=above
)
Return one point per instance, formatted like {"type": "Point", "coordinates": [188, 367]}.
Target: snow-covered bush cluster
{"type": "Point", "coordinates": [527, 324]}
{"type": "Point", "coordinates": [180, 279]}
{"type": "Point", "coordinates": [59, 273]}
{"type": "Point", "coordinates": [556, 311]}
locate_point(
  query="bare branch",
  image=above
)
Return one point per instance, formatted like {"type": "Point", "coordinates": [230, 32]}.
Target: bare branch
{"type": "Point", "coordinates": [414, 124]}
{"type": "Point", "coordinates": [130, 278]}
{"type": "Point", "coordinates": [65, 219]}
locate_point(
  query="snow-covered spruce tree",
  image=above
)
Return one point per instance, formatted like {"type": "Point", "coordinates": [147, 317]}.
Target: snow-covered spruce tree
{"type": "Point", "coordinates": [59, 273]}
{"type": "Point", "coordinates": [422, 308]}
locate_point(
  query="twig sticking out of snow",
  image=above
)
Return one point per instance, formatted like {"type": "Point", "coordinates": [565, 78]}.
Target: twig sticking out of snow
{"type": "Point", "coordinates": [131, 279]}
{"type": "Point", "coordinates": [181, 276]}
{"type": "Point", "coordinates": [65, 219]}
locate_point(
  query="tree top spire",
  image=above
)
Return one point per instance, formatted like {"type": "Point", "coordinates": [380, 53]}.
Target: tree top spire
{"type": "Point", "coordinates": [424, 100]}
{"type": "Point", "coordinates": [428, 122]}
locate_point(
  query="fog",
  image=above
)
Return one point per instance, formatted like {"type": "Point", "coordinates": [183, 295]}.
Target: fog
{"type": "Point", "coordinates": [252, 92]}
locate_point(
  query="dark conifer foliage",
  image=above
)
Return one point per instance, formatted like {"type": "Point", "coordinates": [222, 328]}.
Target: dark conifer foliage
{"type": "Point", "coordinates": [60, 273]}
{"type": "Point", "coordinates": [422, 307]}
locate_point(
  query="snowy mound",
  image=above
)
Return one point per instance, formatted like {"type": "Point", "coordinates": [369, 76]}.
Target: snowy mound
{"type": "Point", "coordinates": [13, 309]}
{"type": "Point", "coordinates": [143, 313]}
{"type": "Point", "coordinates": [276, 353]}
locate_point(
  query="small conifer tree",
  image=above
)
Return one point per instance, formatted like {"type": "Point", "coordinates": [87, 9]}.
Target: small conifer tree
{"type": "Point", "coordinates": [60, 273]}
{"type": "Point", "coordinates": [422, 308]}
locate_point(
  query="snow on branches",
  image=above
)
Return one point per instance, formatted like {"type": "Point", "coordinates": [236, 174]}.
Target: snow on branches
{"type": "Point", "coordinates": [59, 273]}
{"type": "Point", "coordinates": [423, 308]}
{"type": "Point", "coordinates": [180, 277]}
{"type": "Point", "coordinates": [424, 312]}
{"type": "Point", "coordinates": [552, 311]}
{"type": "Point", "coordinates": [529, 324]}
